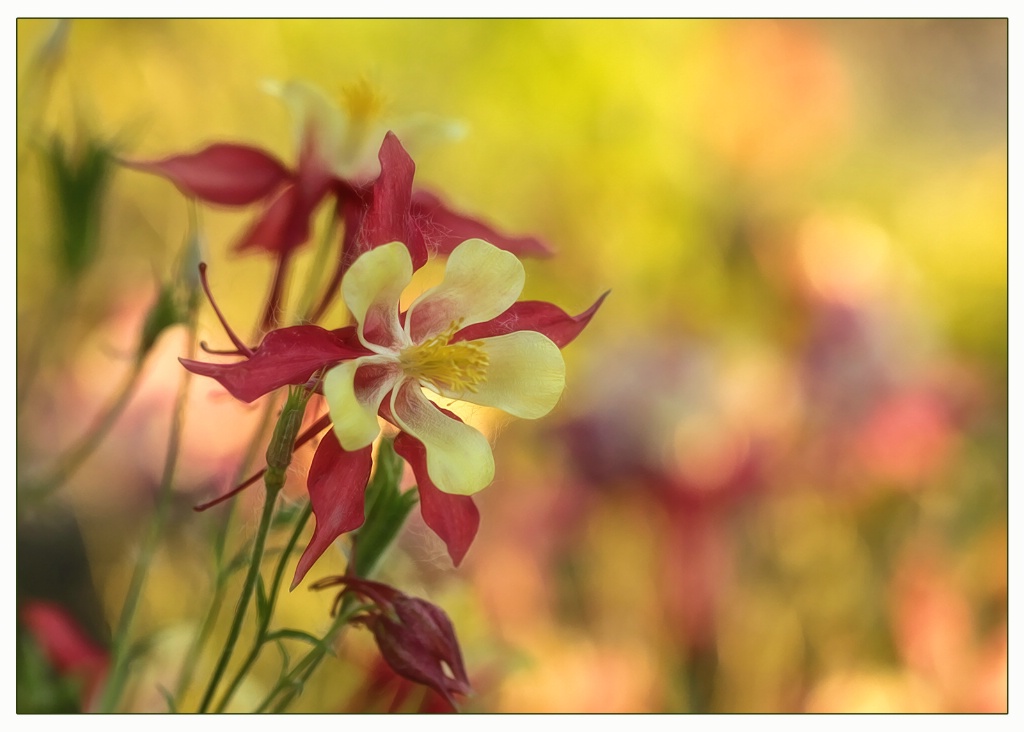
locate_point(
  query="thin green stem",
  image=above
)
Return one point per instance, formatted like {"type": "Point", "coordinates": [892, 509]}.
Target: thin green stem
{"type": "Point", "coordinates": [278, 458]}
{"type": "Point", "coordinates": [275, 588]}
{"type": "Point", "coordinates": [54, 308]}
{"type": "Point", "coordinates": [318, 267]}
{"type": "Point", "coordinates": [121, 661]}
{"type": "Point", "coordinates": [220, 542]}
{"type": "Point", "coordinates": [93, 437]}
{"type": "Point", "coordinates": [289, 686]}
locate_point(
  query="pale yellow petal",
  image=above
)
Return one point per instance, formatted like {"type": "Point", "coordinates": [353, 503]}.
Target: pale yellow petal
{"type": "Point", "coordinates": [459, 458]}
{"type": "Point", "coordinates": [480, 282]}
{"type": "Point", "coordinates": [525, 375]}
{"type": "Point", "coordinates": [316, 117]}
{"type": "Point", "coordinates": [354, 391]}
{"type": "Point", "coordinates": [372, 288]}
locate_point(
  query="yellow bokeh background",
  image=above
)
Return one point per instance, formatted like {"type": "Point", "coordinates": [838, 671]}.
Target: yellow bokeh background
{"type": "Point", "coordinates": [777, 480]}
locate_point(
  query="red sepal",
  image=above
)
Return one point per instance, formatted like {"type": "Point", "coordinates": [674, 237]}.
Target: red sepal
{"type": "Point", "coordinates": [337, 491]}
{"type": "Point", "coordinates": [388, 217]}
{"type": "Point", "coordinates": [286, 356]}
{"type": "Point", "coordinates": [453, 518]}
{"type": "Point", "coordinates": [444, 229]}
{"type": "Point", "coordinates": [543, 317]}
{"type": "Point", "coordinates": [223, 173]}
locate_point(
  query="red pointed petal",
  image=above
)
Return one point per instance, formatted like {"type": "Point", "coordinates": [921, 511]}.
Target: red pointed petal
{"type": "Point", "coordinates": [286, 356]}
{"type": "Point", "coordinates": [453, 518]}
{"type": "Point", "coordinates": [388, 217]}
{"type": "Point", "coordinates": [226, 174]}
{"type": "Point", "coordinates": [444, 229]}
{"type": "Point", "coordinates": [337, 491]}
{"type": "Point", "coordinates": [543, 317]}
{"type": "Point", "coordinates": [270, 232]}
{"type": "Point", "coordinates": [285, 224]}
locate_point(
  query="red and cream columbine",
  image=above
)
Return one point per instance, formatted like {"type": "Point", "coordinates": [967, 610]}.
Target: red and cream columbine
{"type": "Point", "coordinates": [520, 372]}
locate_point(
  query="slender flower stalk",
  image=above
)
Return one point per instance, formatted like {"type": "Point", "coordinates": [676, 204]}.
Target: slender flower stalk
{"type": "Point", "coordinates": [120, 662]}
{"type": "Point", "coordinates": [278, 458]}
{"type": "Point", "coordinates": [91, 439]}
{"type": "Point", "coordinates": [219, 544]}
{"type": "Point", "coordinates": [268, 612]}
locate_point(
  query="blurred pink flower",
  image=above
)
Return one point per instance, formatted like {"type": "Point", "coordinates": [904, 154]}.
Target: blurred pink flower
{"type": "Point", "coordinates": [66, 646]}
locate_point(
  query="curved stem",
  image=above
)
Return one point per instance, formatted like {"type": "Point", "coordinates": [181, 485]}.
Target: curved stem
{"type": "Point", "coordinates": [290, 685]}
{"type": "Point", "coordinates": [279, 455]}
{"type": "Point", "coordinates": [54, 309]}
{"type": "Point", "coordinates": [120, 662]}
{"type": "Point", "coordinates": [272, 313]}
{"type": "Point", "coordinates": [87, 444]}
{"type": "Point", "coordinates": [275, 588]}
{"type": "Point", "coordinates": [220, 542]}
{"type": "Point", "coordinates": [317, 268]}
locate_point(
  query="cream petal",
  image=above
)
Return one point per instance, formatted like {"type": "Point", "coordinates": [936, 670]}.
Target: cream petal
{"type": "Point", "coordinates": [459, 458]}
{"type": "Point", "coordinates": [354, 390]}
{"type": "Point", "coordinates": [315, 116]}
{"type": "Point", "coordinates": [480, 282]}
{"type": "Point", "coordinates": [372, 288]}
{"type": "Point", "coordinates": [525, 375]}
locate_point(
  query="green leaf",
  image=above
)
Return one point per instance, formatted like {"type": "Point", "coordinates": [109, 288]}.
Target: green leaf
{"type": "Point", "coordinates": [169, 698]}
{"type": "Point", "coordinates": [293, 634]}
{"type": "Point", "coordinates": [262, 602]}
{"type": "Point", "coordinates": [387, 508]}
{"type": "Point", "coordinates": [80, 181]}
{"type": "Point", "coordinates": [164, 313]}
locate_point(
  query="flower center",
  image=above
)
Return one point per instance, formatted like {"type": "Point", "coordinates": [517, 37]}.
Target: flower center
{"type": "Point", "coordinates": [453, 367]}
{"type": "Point", "coordinates": [362, 102]}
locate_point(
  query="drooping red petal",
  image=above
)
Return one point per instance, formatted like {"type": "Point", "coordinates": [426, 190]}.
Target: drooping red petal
{"type": "Point", "coordinates": [453, 518]}
{"type": "Point", "coordinates": [223, 173]}
{"type": "Point", "coordinates": [337, 491]}
{"type": "Point", "coordinates": [286, 356]}
{"type": "Point", "coordinates": [444, 229]}
{"type": "Point", "coordinates": [388, 217]}
{"type": "Point", "coordinates": [273, 230]}
{"type": "Point", "coordinates": [543, 317]}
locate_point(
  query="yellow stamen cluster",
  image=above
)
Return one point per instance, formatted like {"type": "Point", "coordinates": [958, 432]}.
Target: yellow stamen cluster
{"type": "Point", "coordinates": [362, 102]}
{"type": "Point", "coordinates": [454, 367]}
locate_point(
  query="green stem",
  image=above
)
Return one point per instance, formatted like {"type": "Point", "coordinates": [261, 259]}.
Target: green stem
{"type": "Point", "coordinates": [290, 685]}
{"type": "Point", "coordinates": [87, 444]}
{"type": "Point", "coordinates": [220, 542]}
{"type": "Point", "coordinates": [275, 588]}
{"type": "Point", "coordinates": [278, 458]}
{"type": "Point", "coordinates": [120, 662]}
{"type": "Point", "coordinates": [55, 308]}
{"type": "Point", "coordinates": [318, 267]}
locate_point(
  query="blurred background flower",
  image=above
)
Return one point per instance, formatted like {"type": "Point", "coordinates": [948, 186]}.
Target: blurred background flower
{"type": "Point", "coordinates": [777, 480]}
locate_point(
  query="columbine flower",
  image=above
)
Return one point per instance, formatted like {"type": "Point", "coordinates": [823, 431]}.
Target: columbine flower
{"type": "Point", "coordinates": [349, 133]}
{"type": "Point", "coordinates": [521, 372]}
{"type": "Point", "coordinates": [465, 339]}
{"type": "Point", "coordinates": [336, 148]}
